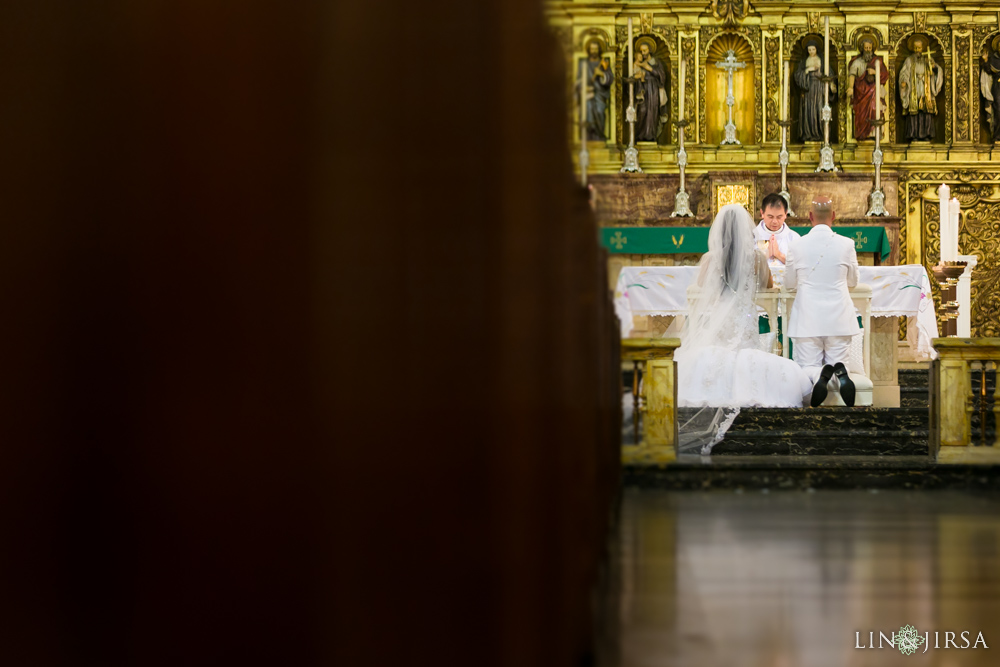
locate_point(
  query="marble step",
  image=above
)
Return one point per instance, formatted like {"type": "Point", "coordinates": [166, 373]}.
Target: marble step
{"type": "Point", "coordinates": [826, 419]}
{"type": "Point", "coordinates": [843, 442]}
{"type": "Point", "coordinates": [913, 377]}
{"type": "Point", "coordinates": [766, 473]}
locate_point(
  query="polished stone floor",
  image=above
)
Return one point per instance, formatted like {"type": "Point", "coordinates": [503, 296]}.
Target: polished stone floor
{"type": "Point", "coordinates": [787, 578]}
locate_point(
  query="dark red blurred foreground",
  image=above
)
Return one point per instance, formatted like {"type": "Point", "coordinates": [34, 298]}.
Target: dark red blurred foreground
{"type": "Point", "coordinates": [216, 449]}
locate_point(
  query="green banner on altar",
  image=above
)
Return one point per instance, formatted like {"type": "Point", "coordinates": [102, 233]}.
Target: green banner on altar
{"type": "Point", "coordinates": [674, 240]}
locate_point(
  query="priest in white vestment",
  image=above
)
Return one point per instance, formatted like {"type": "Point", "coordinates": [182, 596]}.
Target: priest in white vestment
{"type": "Point", "coordinates": [822, 267]}
{"type": "Point", "coordinates": [772, 234]}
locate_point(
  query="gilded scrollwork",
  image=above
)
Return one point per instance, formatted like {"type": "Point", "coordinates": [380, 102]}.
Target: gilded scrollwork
{"type": "Point", "coordinates": [815, 20]}
{"type": "Point", "coordinates": [772, 51]}
{"type": "Point", "coordinates": [919, 21]}
{"type": "Point", "coordinates": [963, 48]}
{"type": "Point", "coordinates": [702, 124]}
{"type": "Point", "coordinates": [730, 11]}
{"type": "Point", "coordinates": [757, 86]}
{"type": "Point", "coordinates": [690, 55]}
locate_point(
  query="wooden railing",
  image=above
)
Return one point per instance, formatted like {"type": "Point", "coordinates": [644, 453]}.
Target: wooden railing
{"type": "Point", "coordinates": [654, 358]}
{"type": "Point", "coordinates": [964, 364]}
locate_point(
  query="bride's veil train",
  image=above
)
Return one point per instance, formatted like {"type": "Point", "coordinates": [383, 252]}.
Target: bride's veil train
{"type": "Point", "coordinates": [721, 321]}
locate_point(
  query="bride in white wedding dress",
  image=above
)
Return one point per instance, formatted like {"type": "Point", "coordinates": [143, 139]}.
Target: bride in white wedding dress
{"type": "Point", "coordinates": [721, 363]}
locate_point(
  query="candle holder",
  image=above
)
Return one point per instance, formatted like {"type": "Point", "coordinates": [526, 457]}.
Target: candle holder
{"type": "Point", "coordinates": [876, 199]}
{"type": "Point", "coordinates": [947, 275]}
{"type": "Point", "coordinates": [584, 154]}
{"type": "Point", "coordinates": [826, 152]}
{"type": "Point", "coordinates": [631, 165]}
{"type": "Point", "coordinates": [783, 161]}
{"type": "Point", "coordinates": [682, 208]}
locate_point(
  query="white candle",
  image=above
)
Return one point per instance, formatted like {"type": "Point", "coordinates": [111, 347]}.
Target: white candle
{"type": "Point", "coordinates": [583, 102]}
{"type": "Point", "coordinates": [878, 88]}
{"type": "Point", "coordinates": [631, 63]}
{"type": "Point", "coordinates": [955, 210]}
{"type": "Point", "coordinates": [944, 204]}
{"type": "Point", "coordinates": [784, 95]}
{"type": "Point", "coordinates": [680, 113]}
{"type": "Point", "coordinates": [826, 46]}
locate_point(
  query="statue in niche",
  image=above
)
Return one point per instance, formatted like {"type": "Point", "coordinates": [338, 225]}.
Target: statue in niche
{"type": "Point", "coordinates": [989, 86]}
{"type": "Point", "coordinates": [599, 80]}
{"type": "Point", "coordinates": [650, 91]}
{"type": "Point", "coordinates": [920, 80]}
{"type": "Point", "coordinates": [861, 87]}
{"type": "Point", "coordinates": [808, 77]}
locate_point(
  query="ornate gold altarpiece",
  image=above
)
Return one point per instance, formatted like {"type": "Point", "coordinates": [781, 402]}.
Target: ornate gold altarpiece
{"type": "Point", "coordinates": [769, 35]}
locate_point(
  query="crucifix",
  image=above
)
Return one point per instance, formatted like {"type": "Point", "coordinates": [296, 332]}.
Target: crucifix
{"type": "Point", "coordinates": [730, 64]}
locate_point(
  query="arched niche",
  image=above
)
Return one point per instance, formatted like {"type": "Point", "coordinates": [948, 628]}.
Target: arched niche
{"type": "Point", "coordinates": [716, 88]}
{"type": "Point", "coordinates": [797, 95]}
{"type": "Point", "coordinates": [989, 45]}
{"type": "Point", "coordinates": [902, 53]}
{"type": "Point", "coordinates": [662, 53]}
{"type": "Point", "coordinates": [597, 39]}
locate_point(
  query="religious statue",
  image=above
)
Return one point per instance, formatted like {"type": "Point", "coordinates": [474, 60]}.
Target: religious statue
{"type": "Point", "coordinates": [861, 87]}
{"type": "Point", "coordinates": [989, 86]}
{"type": "Point", "coordinates": [808, 77]}
{"type": "Point", "coordinates": [650, 92]}
{"type": "Point", "coordinates": [599, 80]}
{"type": "Point", "coordinates": [920, 80]}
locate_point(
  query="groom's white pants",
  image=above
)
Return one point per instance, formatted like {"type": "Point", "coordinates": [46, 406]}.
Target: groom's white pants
{"type": "Point", "coordinates": [817, 351]}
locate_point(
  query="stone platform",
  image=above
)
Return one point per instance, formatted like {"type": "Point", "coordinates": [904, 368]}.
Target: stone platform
{"type": "Point", "coordinates": [829, 448]}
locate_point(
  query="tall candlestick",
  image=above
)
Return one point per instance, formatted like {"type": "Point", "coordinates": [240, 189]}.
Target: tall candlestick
{"type": "Point", "coordinates": [826, 57]}
{"type": "Point", "coordinates": [944, 206]}
{"type": "Point", "coordinates": [878, 90]}
{"type": "Point", "coordinates": [631, 165]}
{"type": "Point", "coordinates": [631, 63]}
{"type": "Point", "coordinates": [680, 113]}
{"type": "Point", "coordinates": [784, 94]}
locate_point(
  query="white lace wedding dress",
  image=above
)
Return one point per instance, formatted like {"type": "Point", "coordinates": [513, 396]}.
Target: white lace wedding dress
{"type": "Point", "coordinates": [721, 364]}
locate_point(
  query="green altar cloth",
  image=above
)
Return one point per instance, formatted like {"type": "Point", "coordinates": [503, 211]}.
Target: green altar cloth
{"type": "Point", "coordinates": [674, 240]}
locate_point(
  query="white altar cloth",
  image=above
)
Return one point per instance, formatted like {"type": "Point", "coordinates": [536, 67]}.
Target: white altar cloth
{"type": "Point", "coordinates": [897, 291]}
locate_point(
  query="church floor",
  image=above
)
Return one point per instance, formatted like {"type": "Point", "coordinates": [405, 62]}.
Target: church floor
{"type": "Point", "coordinates": [788, 577]}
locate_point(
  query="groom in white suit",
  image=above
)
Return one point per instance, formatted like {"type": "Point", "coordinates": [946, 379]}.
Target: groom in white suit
{"type": "Point", "coordinates": [823, 267]}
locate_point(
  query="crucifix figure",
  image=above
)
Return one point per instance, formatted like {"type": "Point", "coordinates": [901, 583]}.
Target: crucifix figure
{"type": "Point", "coordinates": [730, 64]}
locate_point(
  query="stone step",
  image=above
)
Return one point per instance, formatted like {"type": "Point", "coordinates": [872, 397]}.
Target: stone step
{"type": "Point", "coordinates": [826, 419]}
{"type": "Point", "coordinates": [914, 377]}
{"type": "Point", "coordinates": [765, 473]}
{"type": "Point", "coordinates": [843, 442]}
{"type": "Point", "coordinates": [914, 397]}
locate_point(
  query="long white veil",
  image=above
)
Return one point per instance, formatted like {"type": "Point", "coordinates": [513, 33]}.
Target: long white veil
{"type": "Point", "coordinates": [721, 321]}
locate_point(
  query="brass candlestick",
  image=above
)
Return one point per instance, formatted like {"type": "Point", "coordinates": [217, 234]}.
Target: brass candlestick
{"type": "Point", "coordinates": [947, 275]}
{"type": "Point", "coordinates": [783, 161]}
{"type": "Point", "coordinates": [826, 152]}
{"type": "Point", "coordinates": [682, 208]}
{"type": "Point", "coordinates": [876, 199]}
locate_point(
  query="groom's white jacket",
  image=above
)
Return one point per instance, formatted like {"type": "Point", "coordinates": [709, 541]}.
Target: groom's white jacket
{"type": "Point", "coordinates": [822, 266]}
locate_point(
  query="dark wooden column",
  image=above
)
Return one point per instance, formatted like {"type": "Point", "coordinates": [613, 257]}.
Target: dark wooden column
{"type": "Point", "coordinates": [307, 350]}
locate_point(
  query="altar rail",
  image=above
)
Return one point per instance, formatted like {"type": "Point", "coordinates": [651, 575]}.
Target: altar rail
{"type": "Point", "coordinates": [964, 393]}
{"type": "Point", "coordinates": [658, 402]}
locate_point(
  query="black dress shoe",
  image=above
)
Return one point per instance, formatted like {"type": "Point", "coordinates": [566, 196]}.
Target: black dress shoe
{"type": "Point", "coordinates": [819, 391]}
{"type": "Point", "coordinates": [846, 385]}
